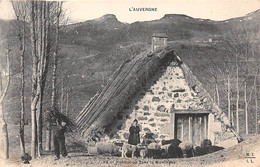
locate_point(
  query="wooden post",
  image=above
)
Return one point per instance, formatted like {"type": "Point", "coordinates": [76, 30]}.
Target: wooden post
{"type": "Point", "coordinates": [190, 128]}
{"type": "Point", "coordinates": [182, 128]}
{"type": "Point", "coordinates": [246, 106]}
{"type": "Point", "coordinates": [173, 118]}
{"type": "Point", "coordinates": [205, 127]}
{"type": "Point", "coordinates": [200, 126]}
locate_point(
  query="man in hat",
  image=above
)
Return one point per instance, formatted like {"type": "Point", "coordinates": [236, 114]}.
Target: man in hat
{"type": "Point", "coordinates": [59, 138]}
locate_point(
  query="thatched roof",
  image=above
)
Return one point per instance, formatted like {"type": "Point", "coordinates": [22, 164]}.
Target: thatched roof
{"type": "Point", "coordinates": [126, 82]}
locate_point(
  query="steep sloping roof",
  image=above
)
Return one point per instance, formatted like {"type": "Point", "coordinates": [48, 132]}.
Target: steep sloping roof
{"type": "Point", "coordinates": [160, 35]}
{"type": "Point", "coordinates": [126, 82]}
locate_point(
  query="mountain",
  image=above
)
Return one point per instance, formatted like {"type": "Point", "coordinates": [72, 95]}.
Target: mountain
{"type": "Point", "coordinates": [103, 32]}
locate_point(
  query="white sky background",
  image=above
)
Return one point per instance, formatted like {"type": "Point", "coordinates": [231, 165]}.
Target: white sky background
{"type": "Point", "coordinates": [82, 10]}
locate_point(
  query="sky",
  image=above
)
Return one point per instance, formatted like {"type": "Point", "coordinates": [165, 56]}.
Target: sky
{"type": "Point", "coordinates": [82, 10]}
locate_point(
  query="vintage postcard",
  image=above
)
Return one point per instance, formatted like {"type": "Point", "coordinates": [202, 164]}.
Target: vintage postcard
{"type": "Point", "coordinates": [130, 83]}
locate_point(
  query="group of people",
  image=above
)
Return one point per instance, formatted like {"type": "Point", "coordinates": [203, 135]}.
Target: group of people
{"type": "Point", "coordinates": [59, 127]}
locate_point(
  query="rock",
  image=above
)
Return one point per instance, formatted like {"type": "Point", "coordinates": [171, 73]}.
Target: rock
{"type": "Point", "coordinates": [164, 120]}
{"type": "Point", "coordinates": [179, 101]}
{"type": "Point", "coordinates": [161, 108]}
{"type": "Point", "coordinates": [150, 90]}
{"type": "Point", "coordinates": [142, 118]}
{"type": "Point", "coordinates": [146, 108]}
{"type": "Point", "coordinates": [147, 130]}
{"type": "Point", "coordinates": [179, 90]}
{"type": "Point", "coordinates": [155, 136]}
{"type": "Point", "coordinates": [153, 125]}
{"type": "Point", "coordinates": [126, 135]}
{"type": "Point", "coordinates": [169, 94]}
{"type": "Point", "coordinates": [146, 113]}
{"type": "Point", "coordinates": [176, 95]}
{"type": "Point", "coordinates": [173, 106]}
{"type": "Point", "coordinates": [161, 114]}
{"type": "Point", "coordinates": [117, 136]}
{"type": "Point", "coordinates": [162, 137]}
{"type": "Point", "coordinates": [150, 120]}
{"type": "Point", "coordinates": [155, 99]}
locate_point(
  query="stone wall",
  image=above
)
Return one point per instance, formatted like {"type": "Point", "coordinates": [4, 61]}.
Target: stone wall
{"type": "Point", "coordinates": [152, 107]}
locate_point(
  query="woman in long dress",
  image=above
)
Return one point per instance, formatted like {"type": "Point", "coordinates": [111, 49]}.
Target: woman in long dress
{"type": "Point", "coordinates": [134, 137]}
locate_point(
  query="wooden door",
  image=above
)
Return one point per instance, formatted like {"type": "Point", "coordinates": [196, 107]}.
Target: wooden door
{"type": "Point", "coordinates": [193, 127]}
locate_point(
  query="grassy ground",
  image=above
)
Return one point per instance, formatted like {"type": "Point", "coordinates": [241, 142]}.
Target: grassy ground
{"type": "Point", "coordinates": [233, 156]}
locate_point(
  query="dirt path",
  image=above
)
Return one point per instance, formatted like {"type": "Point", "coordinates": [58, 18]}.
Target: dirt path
{"type": "Point", "coordinates": [233, 156]}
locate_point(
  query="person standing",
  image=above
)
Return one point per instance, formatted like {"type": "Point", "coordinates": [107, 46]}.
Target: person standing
{"type": "Point", "coordinates": [59, 138]}
{"type": "Point", "coordinates": [134, 137]}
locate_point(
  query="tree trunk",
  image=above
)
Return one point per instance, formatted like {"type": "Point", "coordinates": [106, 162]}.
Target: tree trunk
{"type": "Point", "coordinates": [237, 100]}
{"type": "Point", "coordinates": [35, 95]}
{"type": "Point", "coordinates": [229, 98]}
{"type": "Point", "coordinates": [256, 110]}
{"type": "Point", "coordinates": [55, 57]}
{"type": "Point", "coordinates": [22, 50]}
{"type": "Point", "coordinates": [40, 41]}
{"type": "Point", "coordinates": [21, 36]}
{"type": "Point", "coordinates": [256, 101]}
{"type": "Point", "coordinates": [67, 103]}
{"type": "Point", "coordinates": [217, 94]}
{"type": "Point", "coordinates": [246, 109]}
{"type": "Point", "coordinates": [4, 141]}
{"type": "Point", "coordinates": [48, 131]}
{"type": "Point", "coordinates": [39, 126]}
{"type": "Point", "coordinates": [54, 71]}
{"type": "Point", "coordinates": [62, 96]}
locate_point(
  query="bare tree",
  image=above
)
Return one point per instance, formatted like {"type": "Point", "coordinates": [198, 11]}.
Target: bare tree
{"type": "Point", "coordinates": [57, 14]}
{"type": "Point", "coordinates": [239, 43]}
{"type": "Point", "coordinates": [20, 10]}
{"type": "Point", "coordinates": [4, 141]}
{"type": "Point", "coordinates": [35, 91]}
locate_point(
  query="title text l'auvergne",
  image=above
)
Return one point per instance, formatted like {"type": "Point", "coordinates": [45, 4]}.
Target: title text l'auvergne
{"type": "Point", "coordinates": [133, 9]}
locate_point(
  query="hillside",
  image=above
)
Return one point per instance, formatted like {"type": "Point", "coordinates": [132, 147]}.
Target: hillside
{"type": "Point", "coordinates": [92, 50]}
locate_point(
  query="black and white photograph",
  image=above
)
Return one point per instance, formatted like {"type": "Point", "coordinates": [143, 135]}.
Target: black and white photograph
{"type": "Point", "coordinates": [129, 83]}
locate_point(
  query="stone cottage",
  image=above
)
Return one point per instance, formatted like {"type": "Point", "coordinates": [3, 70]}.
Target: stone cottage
{"type": "Point", "coordinates": [160, 91]}
{"type": "Point", "coordinates": [159, 41]}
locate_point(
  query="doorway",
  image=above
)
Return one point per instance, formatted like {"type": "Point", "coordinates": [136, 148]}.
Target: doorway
{"type": "Point", "coordinates": [192, 127]}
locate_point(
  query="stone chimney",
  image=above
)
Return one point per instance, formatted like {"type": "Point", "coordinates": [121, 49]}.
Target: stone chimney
{"type": "Point", "coordinates": [159, 41]}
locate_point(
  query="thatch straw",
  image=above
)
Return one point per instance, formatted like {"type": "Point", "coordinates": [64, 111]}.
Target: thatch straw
{"type": "Point", "coordinates": [125, 83]}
